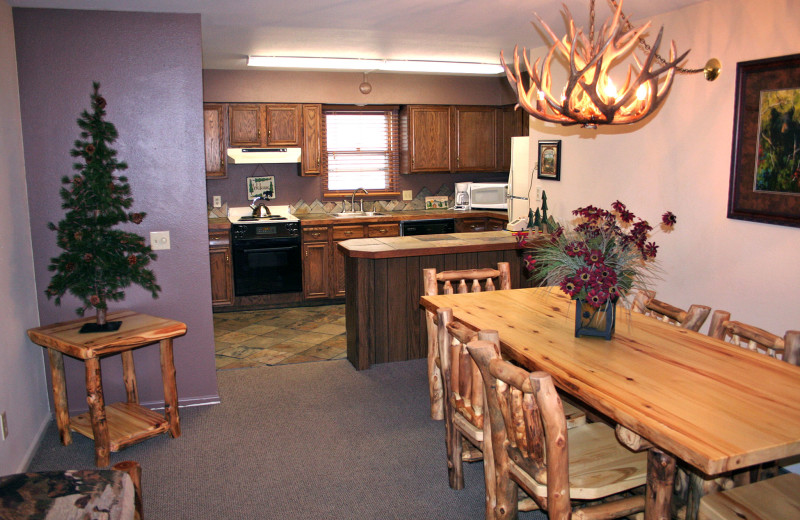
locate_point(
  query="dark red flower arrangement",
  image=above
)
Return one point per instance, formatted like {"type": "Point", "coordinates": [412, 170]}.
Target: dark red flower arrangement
{"type": "Point", "coordinates": [603, 257]}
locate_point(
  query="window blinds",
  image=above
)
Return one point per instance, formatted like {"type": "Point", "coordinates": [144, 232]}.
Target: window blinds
{"type": "Point", "coordinates": [360, 150]}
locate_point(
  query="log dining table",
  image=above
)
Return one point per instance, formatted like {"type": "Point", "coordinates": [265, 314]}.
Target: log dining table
{"type": "Point", "coordinates": [679, 393]}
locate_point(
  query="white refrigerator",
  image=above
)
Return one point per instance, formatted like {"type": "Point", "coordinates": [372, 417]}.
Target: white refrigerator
{"type": "Point", "coordinates": [521, 194]}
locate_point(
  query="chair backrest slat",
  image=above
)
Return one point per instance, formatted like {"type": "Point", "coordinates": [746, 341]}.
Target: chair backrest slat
{"type": "Point", "coordinates": [646, 303]}
{"type": "Point", "coordinates": [754, 338]}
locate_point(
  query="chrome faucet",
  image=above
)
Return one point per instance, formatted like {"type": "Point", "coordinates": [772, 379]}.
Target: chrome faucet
{"type": "Point", "coordinates": [360, 202]}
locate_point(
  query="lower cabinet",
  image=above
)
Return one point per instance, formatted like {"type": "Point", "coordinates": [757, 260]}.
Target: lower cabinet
{"type": "Point", "coordinates": [470, 225]}
{"type": "Point", "coordinates": [219, 250]}
{"type": "Point", "coordinates": [323, 263]}
{"type": "Point", "coordinates": [316, 262]}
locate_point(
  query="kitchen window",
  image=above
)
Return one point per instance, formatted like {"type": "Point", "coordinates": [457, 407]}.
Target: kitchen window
{"type": "Point", "coordinates": [360, 150]}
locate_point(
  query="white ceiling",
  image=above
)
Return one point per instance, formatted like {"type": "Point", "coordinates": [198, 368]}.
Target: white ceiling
{"type": "Point", "coordinates": [457, 30]}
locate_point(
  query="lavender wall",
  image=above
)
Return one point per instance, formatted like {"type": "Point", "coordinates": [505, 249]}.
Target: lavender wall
{"type": "Point", "coordinates": [149, 66]}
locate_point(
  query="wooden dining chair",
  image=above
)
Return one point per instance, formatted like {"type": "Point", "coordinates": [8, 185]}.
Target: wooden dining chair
{"type": "Point", "coordinates": [645, 302]}
{"type": "Point", "coordinates": [533, 449]}
{"type": "Point", "coordinates": [777, 498]}
{"type": "Point", "coordinates": [755, 490]}
{"type": "Point", "coordinates": [468, 280]}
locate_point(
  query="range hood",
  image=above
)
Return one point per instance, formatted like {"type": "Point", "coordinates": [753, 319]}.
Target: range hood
{"type": "Point", "coordinates": [263, 155]}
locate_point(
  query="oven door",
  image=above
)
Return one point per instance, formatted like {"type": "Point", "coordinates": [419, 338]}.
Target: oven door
{"type": "Point", "coordinates": [267, 266]}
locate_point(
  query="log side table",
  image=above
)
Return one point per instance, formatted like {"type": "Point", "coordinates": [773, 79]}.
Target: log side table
{"type": "Point", "coordinates": [117, 425]}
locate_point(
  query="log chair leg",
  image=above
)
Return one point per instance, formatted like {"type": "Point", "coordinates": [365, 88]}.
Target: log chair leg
{"type": "Point", "coordinates": [660, 478]}
{"type": "Point", "coordinates": [133, 469]}
{"type": "Point", "coordinates": [97, 411]}
{"type": "Point", "coordinates": [60, 395]}
{"type": "Point", "coordinates": [434, 373]}
{"type": "Point", "coordinates": [129, 376]}
{"type": "Point", "coordinates": [170, 388]}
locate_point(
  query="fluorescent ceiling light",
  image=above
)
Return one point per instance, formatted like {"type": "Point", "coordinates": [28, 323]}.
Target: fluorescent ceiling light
{"type": "Point", "coordinates": [288, 62]}
{"type": "Point", "coordinates": [369, 65]}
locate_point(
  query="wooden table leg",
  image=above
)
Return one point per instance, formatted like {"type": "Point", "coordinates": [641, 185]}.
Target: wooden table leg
{"type": "Point", "coordinates": [660, 477]}
{"type": "Point", "coordinates": [170, 388]}
{"type": "Point", "coordinates": [129, 376]}
{"type": "Point", "coordinates": [97, 411]}
{"type": "Point", "coordinates": [60, 395]}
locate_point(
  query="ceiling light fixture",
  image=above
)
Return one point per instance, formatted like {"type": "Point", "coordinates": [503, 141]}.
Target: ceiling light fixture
{"type": "Point", "coordinates": [369, 65]}
{"type": "Point", "coordinates": [590, 97]}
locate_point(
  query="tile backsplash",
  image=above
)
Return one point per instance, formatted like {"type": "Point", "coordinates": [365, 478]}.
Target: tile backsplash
{"type": "Point", "coordinates": [302, 207]}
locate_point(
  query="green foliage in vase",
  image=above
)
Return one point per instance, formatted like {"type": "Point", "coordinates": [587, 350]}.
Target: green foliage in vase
{"type": "Point", "coordinates": [98, 261]}
{"type": "Point", "coordinates": [603, 257]}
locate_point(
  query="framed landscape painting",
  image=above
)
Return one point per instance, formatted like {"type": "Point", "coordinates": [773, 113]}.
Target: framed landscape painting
{"type": "Point", "coordinates": [549, 160]}
{"type": "Point", "coordinates": [765, 163]}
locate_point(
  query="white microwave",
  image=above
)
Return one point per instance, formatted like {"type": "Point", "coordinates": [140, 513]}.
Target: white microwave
{"type": "Point", "coordinates": [488, 195]}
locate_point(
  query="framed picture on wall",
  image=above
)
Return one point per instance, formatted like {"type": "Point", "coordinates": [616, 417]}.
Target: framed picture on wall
{"type": "Point", "coordinates": [765, 162]}
{"type": "Point", "coordinates": [549, 160]}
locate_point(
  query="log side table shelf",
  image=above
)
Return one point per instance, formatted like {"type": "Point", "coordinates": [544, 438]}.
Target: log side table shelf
{"type": "Point", "coordinates": [117, 425]}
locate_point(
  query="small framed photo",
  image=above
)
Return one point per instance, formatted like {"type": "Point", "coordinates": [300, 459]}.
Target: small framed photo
{"type": "Point", "coordinates": [256, 186]}
{"type": "Point", "coordinates": [549, 160]}
{"type": "Point", "coordinates": [765, 165]}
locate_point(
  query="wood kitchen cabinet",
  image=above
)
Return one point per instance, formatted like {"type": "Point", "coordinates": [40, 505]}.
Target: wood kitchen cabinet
{"type": "Point", "coordinates": [312, 140]}
{"type": "Point", "coordinates": [245, 125]}
{"type": "Point", "coordinates": [316, 262]}
{"type": "Point", "coordinates": [510, 123]}
{"type": "Point", "coordinates": [470, 225]}
{"type": "Point", "coordinates": [339, 233]}
{"type": "Point", "coordinates": [283, 125]}
{"type": "Point", "coordinates": [323, 263]}
{"type": "Point", "coordinates": [427, 146]}
{"type": "Point", "coordinates": [263, 125]}
{"type": "Point", "coordinates": [219, 249]}
{"type": "Point", "coordinates": [214, 130]}
{"type": "Point", "coordinates": [475, 138]}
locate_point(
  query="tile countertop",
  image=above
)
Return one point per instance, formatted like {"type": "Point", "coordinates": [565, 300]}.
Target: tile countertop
{"type": "Point", "coordinates": [422, 245]}
{"type": "Point", "coordinates": [318, 219]}
{"type": "Point", "coordinates": [324, 219]}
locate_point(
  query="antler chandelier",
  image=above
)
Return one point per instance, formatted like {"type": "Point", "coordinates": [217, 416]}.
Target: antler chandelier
{"type": "Point", "coordinates": [590, 98]}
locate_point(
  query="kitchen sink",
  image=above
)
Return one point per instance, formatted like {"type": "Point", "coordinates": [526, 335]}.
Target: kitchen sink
{"type": "Point", "coordinates": [351, 214]}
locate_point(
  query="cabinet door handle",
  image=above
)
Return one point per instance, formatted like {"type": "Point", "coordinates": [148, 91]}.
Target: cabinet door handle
{"type": "Point", "coordinates": [348, 233]}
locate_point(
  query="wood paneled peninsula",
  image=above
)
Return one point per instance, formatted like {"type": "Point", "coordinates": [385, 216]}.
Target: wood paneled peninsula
{"type": "Point", "coordinates": [384, 283]}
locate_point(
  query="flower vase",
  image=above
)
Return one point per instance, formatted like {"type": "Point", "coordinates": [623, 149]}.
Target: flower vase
{"type": "Point", "coordinates": [595, 321]}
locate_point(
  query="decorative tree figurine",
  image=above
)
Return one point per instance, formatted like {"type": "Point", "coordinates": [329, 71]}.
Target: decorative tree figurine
{"type": "Point", "coordinates": [531, 221]}
{"type": "Point", "coordinates": [537, 223]}
{"type": "Point", "coordinates": [98, 262]}
{"type": "Point", "coordinates": [544, 206]}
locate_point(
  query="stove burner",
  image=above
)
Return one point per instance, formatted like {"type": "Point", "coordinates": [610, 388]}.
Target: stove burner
{"type": "Point", "coordinates": [253, 219]}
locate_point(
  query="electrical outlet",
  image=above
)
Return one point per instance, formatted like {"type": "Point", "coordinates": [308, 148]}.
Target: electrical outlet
{"type": "Point", "coordinates": [3, 426]}
{"type": "Point", "coordinates": [407, 195]}
{"type": "Point", "coordinates": [217, 201]}
{"type": "Point", "coordinates": [538, 193]}
{"type": "Point", "coordinates": [159, 240]}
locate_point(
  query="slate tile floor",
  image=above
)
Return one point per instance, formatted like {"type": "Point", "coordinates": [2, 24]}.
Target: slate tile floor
{"type": "Point", "coordinates": [279, 336]}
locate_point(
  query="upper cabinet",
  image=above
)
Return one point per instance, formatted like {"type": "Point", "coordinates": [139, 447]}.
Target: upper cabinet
{"type": "Point", "coordinates": [475, 138]}
{"type": "Point", "coordinates": [283, 125]}
{"type": "Point", "coordinates": [426, 139]}
{"type": "Point", "coordinates": [312, 142]}
{"type": "Point", "coordinates": [263, 125]}
{"type": "Point", "coordinates": [441, 138]}
{"type": "Point", "coordinates": [510, 123]}
{"type": "Point", "coordinates": [214, 129]}
{"type": "Point", "coordinates": [246, 125]}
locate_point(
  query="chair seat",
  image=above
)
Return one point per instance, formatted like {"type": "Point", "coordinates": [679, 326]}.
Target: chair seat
{"type": "Point", "coordinates": [777, 498]}
{"type": "Point", "coordinates": [599, 465]}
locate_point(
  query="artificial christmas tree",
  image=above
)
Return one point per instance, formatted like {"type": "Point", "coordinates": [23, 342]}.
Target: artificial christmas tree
{"type": "Point", "coordinates": [98, 261]}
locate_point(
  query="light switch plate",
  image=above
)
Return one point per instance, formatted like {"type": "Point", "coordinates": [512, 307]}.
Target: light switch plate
{"type": "Point", "coordinates": [159, 240]}
{"type": "Point", "coordinates": [407, 195]}
{"type": "Point", "coordinates": [217, 201]}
